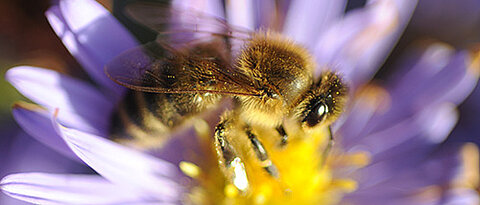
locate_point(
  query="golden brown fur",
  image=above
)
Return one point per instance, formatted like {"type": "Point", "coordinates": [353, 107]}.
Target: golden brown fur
{"type": "Point", "coordinates": [276, 72]}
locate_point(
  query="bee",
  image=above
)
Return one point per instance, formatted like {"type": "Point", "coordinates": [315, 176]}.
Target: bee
{"type": "Point", "coordinates": [199, 61]}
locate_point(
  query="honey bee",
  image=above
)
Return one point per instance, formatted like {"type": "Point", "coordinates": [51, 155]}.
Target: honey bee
{"type": "Point", "coordinates": [201, 60]}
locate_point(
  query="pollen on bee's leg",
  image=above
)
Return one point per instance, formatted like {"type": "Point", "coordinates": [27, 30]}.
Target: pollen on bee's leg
{"type": "Point", "coordinates": [228, 158]}
{"type": "Point", "coordinates": [244, 173]}
{"type": "Point", "coordinates": [239, 178]}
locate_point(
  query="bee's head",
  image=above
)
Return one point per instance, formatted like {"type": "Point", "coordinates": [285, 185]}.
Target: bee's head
{"type": "Point", "coordinates": [323, 103]}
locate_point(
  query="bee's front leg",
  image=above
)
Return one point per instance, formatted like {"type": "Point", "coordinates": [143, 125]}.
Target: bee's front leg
{"type": "Point", "coordinates": [229, 160]}
{"type": "Point", "coordinates": [262, 154]}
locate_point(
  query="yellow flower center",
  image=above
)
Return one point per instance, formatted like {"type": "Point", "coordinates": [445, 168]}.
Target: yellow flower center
{"type": "Point", "coordinates": [304, 176]}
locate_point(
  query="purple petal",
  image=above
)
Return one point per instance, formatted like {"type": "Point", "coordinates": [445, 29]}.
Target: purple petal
{"type": "Point", "coordinates": [212, 7]}
{"type": "Point", "coordinates": [307, 19]}
{"type": "Point", "coordinates": [209, 7]}
{"type": "Point", "coordinates": [40, 188]}
{"type": "Point", "coordinates": [427, 83]}
{"type": "Point", "coordinates": [444, 76]}
{"type": "Point", "coordinates": [266, 13]}
{"type": "Point", "coordinates": [410, 144]}
{"type": "Point", "coordinates": [359, 43]}
{"type": "Point", "coordinates": [428, 196]}
{"type": "Point", "coordinates": [396, 170]}
{"type": "Point", "coordinates": [460, 196]}
{"type": "Point", "coordinates": [397, 185]}
{"type": "Point", "coordinates": [21, 153]}
{"type": "Point", "coordinates": [367, 103]}
{"type": "Point", "coordinates": [241, 13]}
{"type": "Point", "coordinates": [38, 124]}
{"type": "Point", "coordinates": [81, 104]}
{"type": "Point", "coordinates": [125, 166]}
{"type": "Point", "coordinates": [432, 124]}
{"type": "Point", "coordinates": [92, 35]}
{"type": "Point", "coordinates": [436, 77]}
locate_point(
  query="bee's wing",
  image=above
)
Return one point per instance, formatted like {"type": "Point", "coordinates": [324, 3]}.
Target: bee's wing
{"type": "Point", "coordinates": [155, 68]}
{"type": "Point", "coordinates": [178, 26]}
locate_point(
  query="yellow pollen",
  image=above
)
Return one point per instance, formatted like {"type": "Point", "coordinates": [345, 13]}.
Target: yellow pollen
{"type": "Point", "coordinates": [359, 159]}
{"type": "Point", "coordinates": [230, 191]}
{"type": "Point", "coordinates": [303, 178]}
{"type": "Point", "coordinates": [470, 157]}
{"type": "Point", "coordinates": [346, 184]}
{"type": "Point", "coordinates": [474, 66]}
{"type": "Point", "coordinates": [374, 97]}
{"type": "Point", "coordinates": [189, 169]}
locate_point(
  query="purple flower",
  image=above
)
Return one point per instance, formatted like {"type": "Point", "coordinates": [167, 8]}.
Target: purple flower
{"type": "Point", "coordinates": [388, 148]}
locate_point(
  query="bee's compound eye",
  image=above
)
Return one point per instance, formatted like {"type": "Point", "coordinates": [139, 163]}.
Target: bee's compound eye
{"type": "Point", "coordinates": [316, 115]}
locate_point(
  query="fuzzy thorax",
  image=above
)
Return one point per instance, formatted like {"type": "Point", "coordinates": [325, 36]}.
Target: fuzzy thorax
{"type": "Point", "coordinates": [280, 70]}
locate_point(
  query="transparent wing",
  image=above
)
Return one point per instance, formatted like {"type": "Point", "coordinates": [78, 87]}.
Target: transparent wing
{"type": "Point", "coordinates": [159, 68]}
{"type": "Point", "coordinates": [180, 26]}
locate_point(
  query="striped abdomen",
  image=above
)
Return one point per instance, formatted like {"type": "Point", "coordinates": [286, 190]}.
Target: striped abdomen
{"type": "Point", "coordinates": [145, 120]}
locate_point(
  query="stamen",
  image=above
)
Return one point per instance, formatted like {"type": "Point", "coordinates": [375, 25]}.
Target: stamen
{"type": "Point", "coordinates": [230, 191]}
{"type": "Point", "coordinates": [470, 157]}
{"type": "Point", "coordinates": [474, 67]}
{"type": "Point", "coordinates": [347, 185]}
{"type": "Point", "coordinates": [358, 159]}
{"type": "Point", "coordinates": [189, 169]}
{"type": "Point", "coordinates": [202, 129]}
{"type": "Point", "coordinates": [300, 178]}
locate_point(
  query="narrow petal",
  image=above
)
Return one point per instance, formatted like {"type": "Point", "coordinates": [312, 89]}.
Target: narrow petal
{"type": "Point", "coordinates": [124, 166]}
{"type": "Point", "coordinates": [460, 196]}
{"type": "Point", "coordinates": [21, 153]}
{"type": "Point", "coordinates": [267, 14]}
{"type": "Point", "coordinates": [410, 144]}
{"type": "Point", "coordinates": [369, 101]}
{"type": "Point", "coordinates": [42, 188]}
{"type": "Point", "coordinates": [447, 79]}
{"type": "Point", "coordinates": [305, 20]}
{"type": "Point", "coordinates": [92, 35]}
{"type": "Point", "coordinates": [436, 171]}
{"type": "Point", "coordinates": [241, 13]}
{"type": "Point", "coordinates": [211, 7]}
{"type": "Point", "coordinates": [431, 78]}
{"type": "Point", "coordinates": [433, 195]}
{"type": "Point", "coordinates": [82, 104]}
{"type": "Point", "coordinates": [426, 82]}
{"type": "Point", "coordinates": [38, 124]}
{"type": "Point", "coordinates": [432, 125]}
{"type": "Point", "coordinates": [358, 44]}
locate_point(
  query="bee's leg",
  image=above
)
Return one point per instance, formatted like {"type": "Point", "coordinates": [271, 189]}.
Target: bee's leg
{"type": "Point", "coordinates": [329, 146]}
{"type": "Point", "coordinates": [262, 155]}
{"type": "Point", "coordinates": [229, 160]}
{"type": "Point", "coordinates": [283, 135]}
